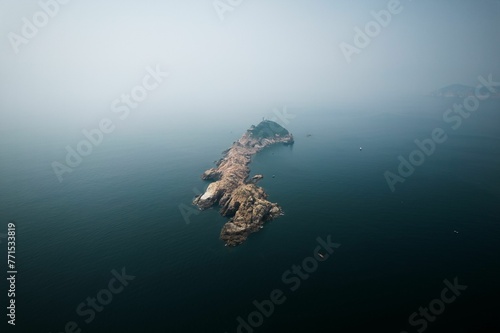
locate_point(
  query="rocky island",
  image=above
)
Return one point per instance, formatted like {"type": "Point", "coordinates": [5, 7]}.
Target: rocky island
{"type": "Point", "coordinates": [240, 198]}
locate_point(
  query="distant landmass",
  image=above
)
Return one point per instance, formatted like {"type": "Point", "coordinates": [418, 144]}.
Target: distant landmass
{"type": "Point", "coordinates": [454, 90]}
{"type": "Point", "coordinates": [462, 91]}
{"type": "Point", "coordinates": [240, 198]}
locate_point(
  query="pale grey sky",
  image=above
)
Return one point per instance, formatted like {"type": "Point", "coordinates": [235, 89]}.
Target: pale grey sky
{"type": "Point", "coordinates": [264, 53]}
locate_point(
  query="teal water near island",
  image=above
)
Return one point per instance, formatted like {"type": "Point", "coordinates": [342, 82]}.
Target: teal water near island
{"type": "Point", "coordinates": [122, 208]}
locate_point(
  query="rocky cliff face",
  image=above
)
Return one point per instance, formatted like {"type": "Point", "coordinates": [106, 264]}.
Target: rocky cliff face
{"type": "Point", "coordinates": [240, 199]}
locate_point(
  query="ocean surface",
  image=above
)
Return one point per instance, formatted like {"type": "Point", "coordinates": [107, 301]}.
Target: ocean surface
{"type": "Point", "coordinates": [122, 208]}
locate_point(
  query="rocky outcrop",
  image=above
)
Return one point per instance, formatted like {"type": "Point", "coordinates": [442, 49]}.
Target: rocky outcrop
{"type": "Point", "coordinates": [240, 199]}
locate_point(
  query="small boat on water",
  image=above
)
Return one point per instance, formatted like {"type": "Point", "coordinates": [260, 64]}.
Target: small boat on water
{"type": "Point", "coordinates": [321, 255]}
{"type": "Point", "coordinates": [360, 148]}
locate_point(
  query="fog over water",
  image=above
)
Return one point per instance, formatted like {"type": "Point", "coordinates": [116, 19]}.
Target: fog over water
{"type": "Point", "coordinates": [262, 55]}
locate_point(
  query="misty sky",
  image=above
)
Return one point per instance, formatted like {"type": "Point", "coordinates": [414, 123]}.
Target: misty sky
{"type": "Point", "coordinates": [264, 53]}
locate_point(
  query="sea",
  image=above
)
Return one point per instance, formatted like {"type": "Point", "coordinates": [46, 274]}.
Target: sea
{"type": "Point", "coordinates": [126, 212]}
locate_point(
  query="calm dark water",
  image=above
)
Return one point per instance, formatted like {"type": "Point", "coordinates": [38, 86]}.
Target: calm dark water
{"type": "Point", "coordinates": [120, 208]}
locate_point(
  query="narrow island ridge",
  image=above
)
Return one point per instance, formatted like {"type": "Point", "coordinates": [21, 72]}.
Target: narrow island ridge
{"type": "Point", "coordinates": [240, 198]}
